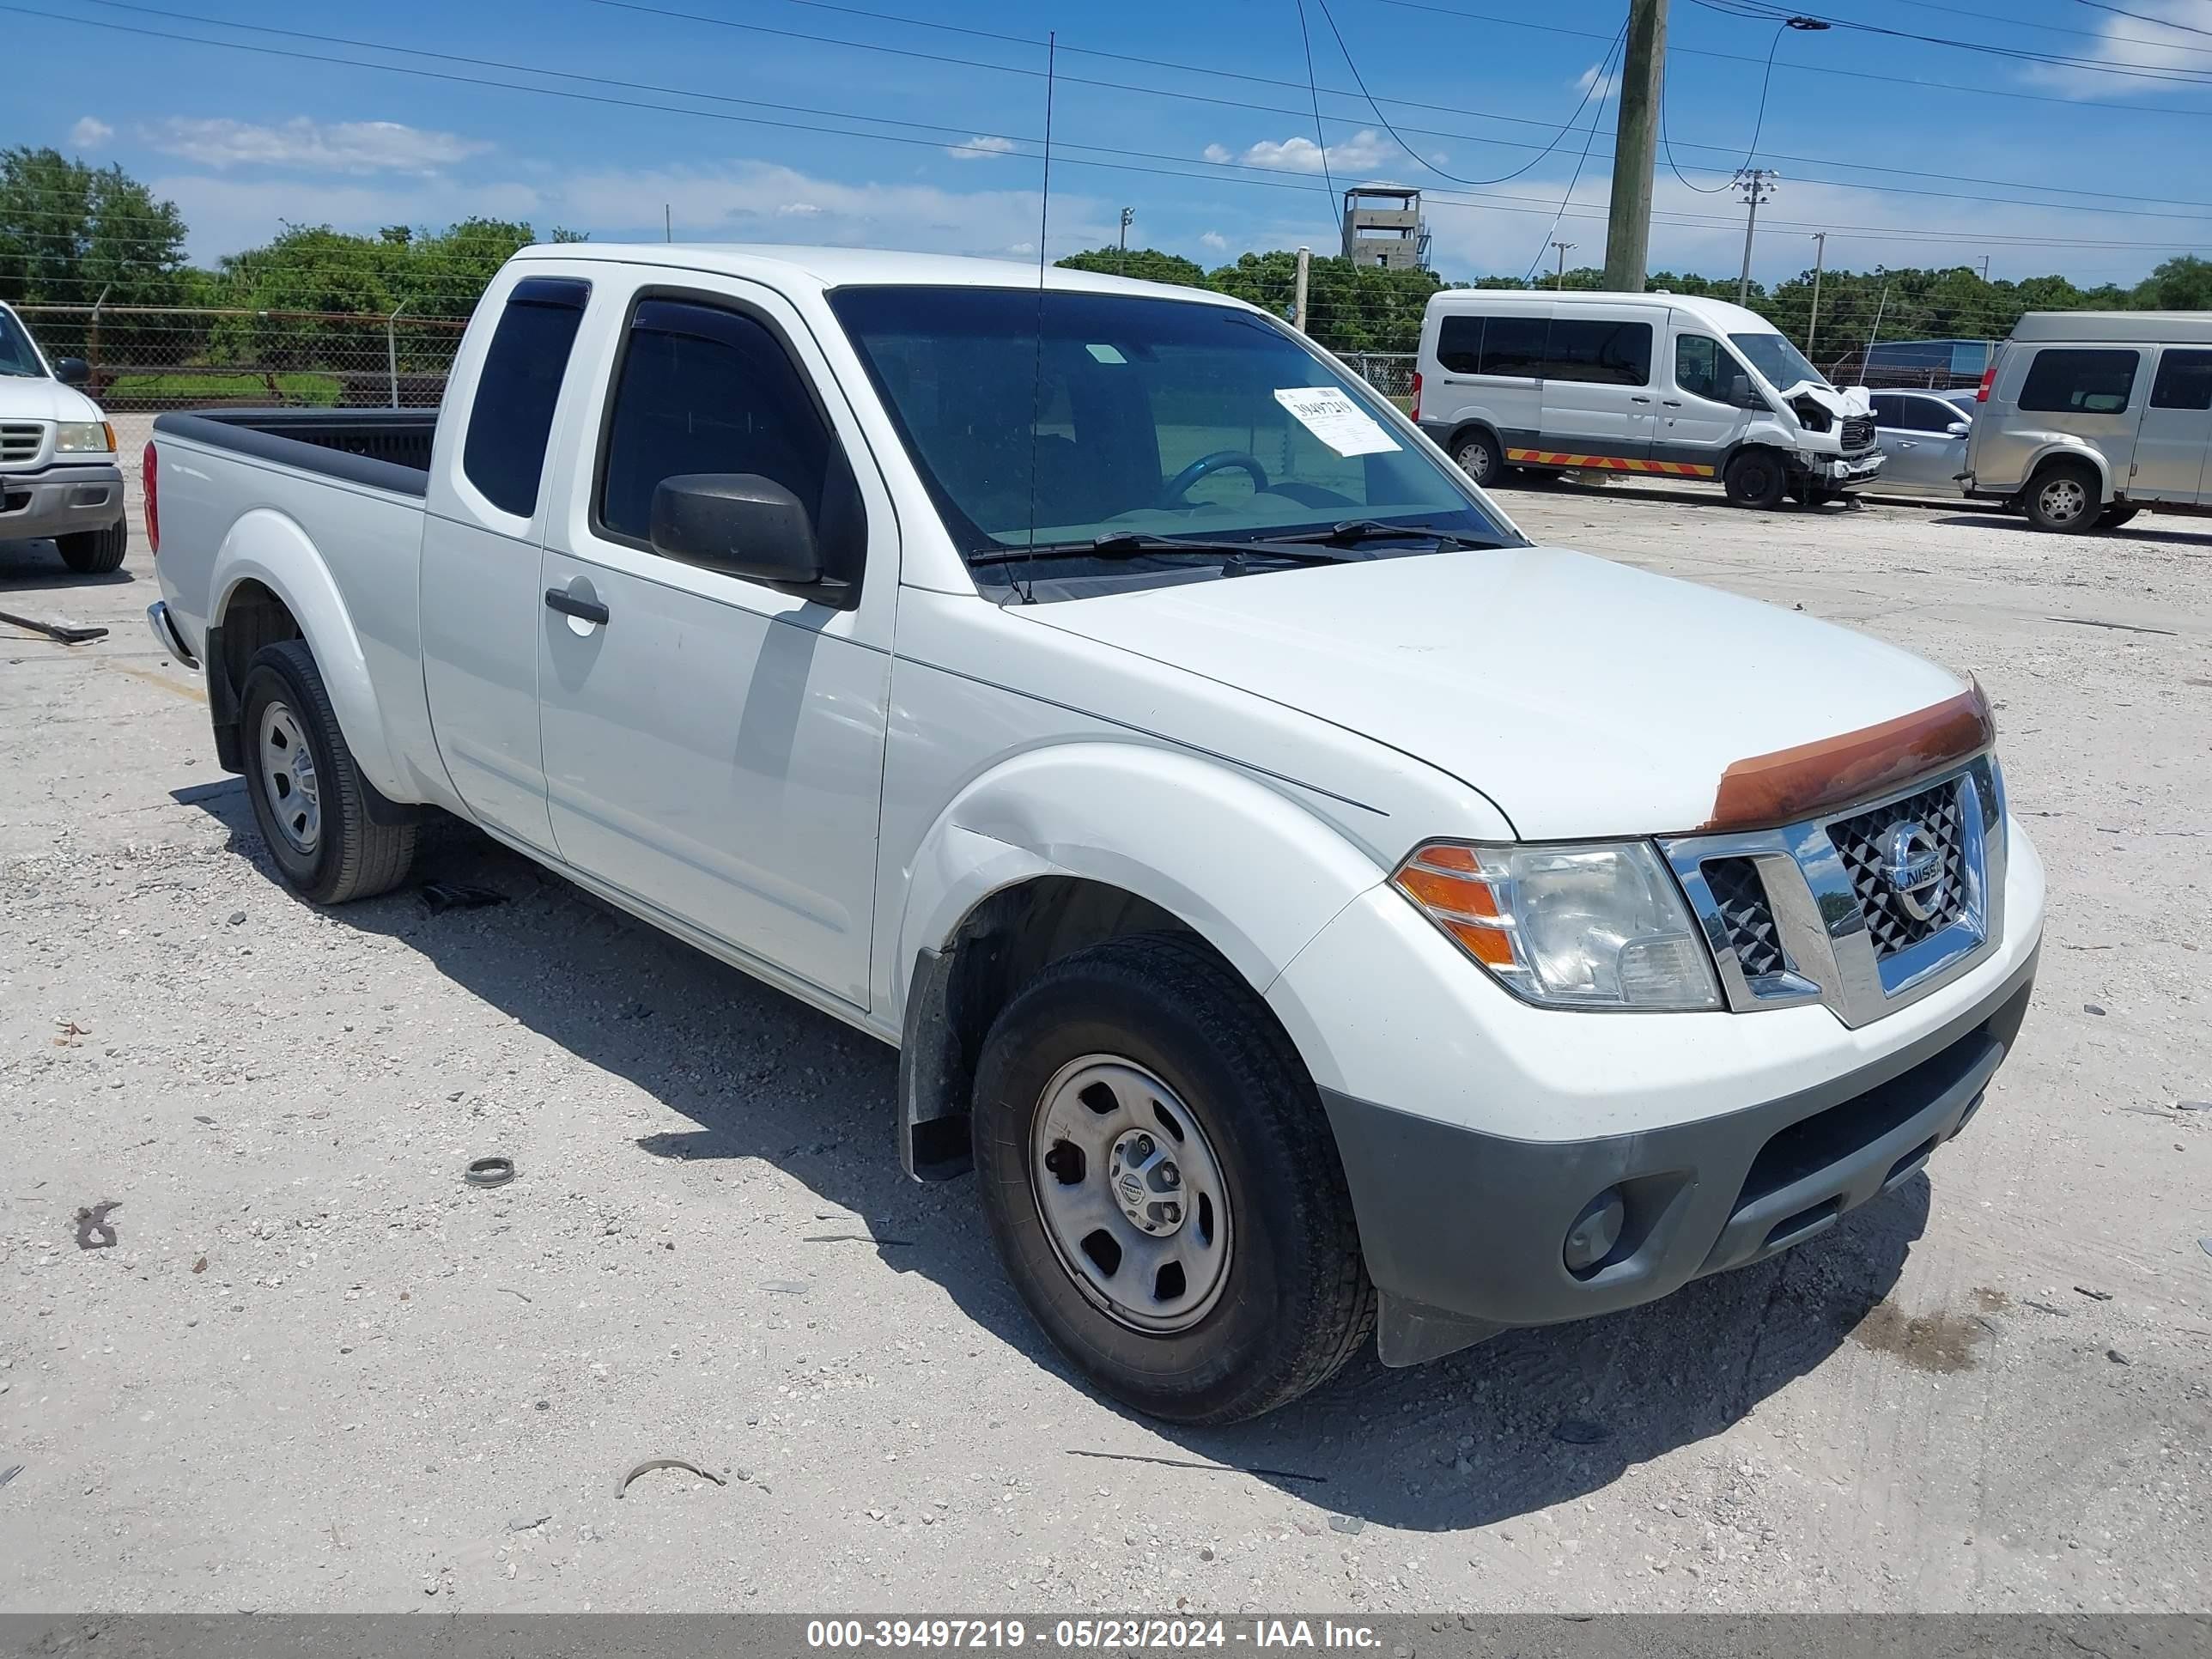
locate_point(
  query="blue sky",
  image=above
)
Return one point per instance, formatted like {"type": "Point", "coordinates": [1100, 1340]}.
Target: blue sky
{"type": "Point", "coordinates": [243, 140]}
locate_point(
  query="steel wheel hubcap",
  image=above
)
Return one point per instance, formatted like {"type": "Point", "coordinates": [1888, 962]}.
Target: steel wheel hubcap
{"type": "Point", "coordinates": [1131, 1195]}
{"type": "Point", "coordinates": [288, 779]}
{"type": "Point", "coordinates": [2063, 500]}
{"type": "Point", "coordinates": [1474, 461]}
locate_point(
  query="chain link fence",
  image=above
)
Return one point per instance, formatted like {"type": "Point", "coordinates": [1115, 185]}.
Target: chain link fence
{"type": "Point", "coordinates": [146, 358]}
{"type": "Point", "coordinates": [1390, 372]}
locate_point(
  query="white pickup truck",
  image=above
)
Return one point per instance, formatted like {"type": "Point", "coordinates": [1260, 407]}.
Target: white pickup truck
{"type": "Point", "coordinates": [57, 471]}
{"type": "Point", "coordinates": [1306, 906]}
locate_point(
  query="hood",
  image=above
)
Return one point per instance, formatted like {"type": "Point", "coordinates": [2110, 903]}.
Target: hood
{"type": "Point", "coordinates": [1847, 400]}
{"type": "Point", "coordinates": [25, 399]}
{"type": "Point", "coordinates": [1583, 697]}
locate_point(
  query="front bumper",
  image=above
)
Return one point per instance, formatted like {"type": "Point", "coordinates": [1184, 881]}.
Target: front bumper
{"type": "Point", "coordinates": [1850, 470]}
{"type": "Point", "coordinates": [59, 500]}
{"type": "Point", "coordinates": [1463, 1230]}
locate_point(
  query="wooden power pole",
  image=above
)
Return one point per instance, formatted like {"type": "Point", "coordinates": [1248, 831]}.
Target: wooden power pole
{"type": "Point", "coordinates": [1636, 147]}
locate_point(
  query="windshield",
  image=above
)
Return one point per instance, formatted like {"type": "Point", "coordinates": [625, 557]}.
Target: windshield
{"type": "Point", "coordinates": [1772, 355]}
{"type": "Point", "coordinates": [1136, 416]}
{"type": "Point", "coordinates": [16, 356]}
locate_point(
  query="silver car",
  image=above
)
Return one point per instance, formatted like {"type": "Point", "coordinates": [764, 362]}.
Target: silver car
{"type": "Point", "coordinates": [1923, 433]}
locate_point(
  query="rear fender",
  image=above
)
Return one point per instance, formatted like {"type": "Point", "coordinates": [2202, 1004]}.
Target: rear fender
{"type": "Point", "coordinates": [269, 547]}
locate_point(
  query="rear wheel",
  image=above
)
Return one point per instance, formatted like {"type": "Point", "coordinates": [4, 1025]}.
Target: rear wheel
{"type": "Point", "coordinates": [1479, 457]}
{"type": "Point", "coordinates": [1756, 478]}
{"type": "Point", "coordinates": [2116, 515]}
{"type": "Point", "coordinates": [2063, 498]}
{"type": "Point", "coordinates": [1163, 1186]}
{"type": "Point", "coordinates": [308, 797]}
{"type": "Point", "coordinates": [95, 552]}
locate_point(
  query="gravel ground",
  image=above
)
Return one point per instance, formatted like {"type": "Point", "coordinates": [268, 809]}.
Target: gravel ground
{"type": "Point", "coordinates": [316, 1372]}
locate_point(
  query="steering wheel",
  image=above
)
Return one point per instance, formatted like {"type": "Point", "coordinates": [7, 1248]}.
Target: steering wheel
{"type": "Point", "coordinates": [1179, 486]}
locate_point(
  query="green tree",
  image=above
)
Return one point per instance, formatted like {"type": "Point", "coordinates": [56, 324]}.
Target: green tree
{"type": "Point", "coordinates": [70, 233]}
{"type": "Point", "coordinates": [2181, 283]}
{"type": "Point", "coordinates": [1141, 264]}
{"type": "Point", "coordinates": [1349, 308]}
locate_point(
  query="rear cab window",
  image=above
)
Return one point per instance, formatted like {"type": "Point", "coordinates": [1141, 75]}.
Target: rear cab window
{"type": "Point", "coordinates": [2079, 380]}
{"type": "Point", "coordinates": [511, 416]}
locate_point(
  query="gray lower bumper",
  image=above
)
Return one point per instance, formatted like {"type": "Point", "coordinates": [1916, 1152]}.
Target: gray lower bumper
{"type": "Point", "coordinates": [166, 635]}
{"type": "Point", "coordinates": [59, 501]}
{"type": "Point", "coordinates": [1463, 1232]}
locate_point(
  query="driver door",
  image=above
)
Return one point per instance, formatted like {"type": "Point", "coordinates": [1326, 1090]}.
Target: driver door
{"type": "Point", "coordinates": [713, 747]}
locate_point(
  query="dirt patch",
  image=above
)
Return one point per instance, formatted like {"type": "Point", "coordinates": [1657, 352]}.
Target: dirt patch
{"type": "Point", "coordinates": [1940, 1342]}
{"type": "Point", "coordinates": [1990, 1301]}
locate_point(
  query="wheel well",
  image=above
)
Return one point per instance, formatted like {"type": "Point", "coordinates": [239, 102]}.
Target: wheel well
{"type": "Point", "coordinates": [254, 617]}
{"type": "Point", "coordinates": [1468, 429]}
{"type": "Point", "coordinates": [1000, 945]}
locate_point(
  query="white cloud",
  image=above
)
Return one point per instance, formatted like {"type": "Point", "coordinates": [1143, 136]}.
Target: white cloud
{"type": "Point", "coordinates": [226, 214]}
{"type": "Point", "coordinates": [1594, 82]}
{"type": "Point", "coordinates": [757, 201]}
{"type": "Point", "coordinates": [90, 133]}
{"type": "Point", "coordinates": [2144, 40]}
{"type": "Point", "coordinates": [1214, 240]}
{"type": "Point", "coordinates": [332, 147]}
{"type": "Point", "coordinates": [981, 147]}
{"type": "Point", "coordinates": [1363, 149]}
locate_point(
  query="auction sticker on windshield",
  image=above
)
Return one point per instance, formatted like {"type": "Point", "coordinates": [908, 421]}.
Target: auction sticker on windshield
{"type": "Point", "coordinates": [1332, 417]}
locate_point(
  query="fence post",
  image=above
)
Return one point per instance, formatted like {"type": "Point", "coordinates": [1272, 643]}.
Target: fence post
{"type": "Point", "coordinates": [91, 336]}
{"type": "Point", "coordinates": [391, 352]}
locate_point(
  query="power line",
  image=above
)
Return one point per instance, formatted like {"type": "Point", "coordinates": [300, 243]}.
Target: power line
{"type": "Point", "coordinates": [2162, 23]}
{"type": "Point", "coordinates": [1320, 137]}
{"type": "Point", "coordinates": [1605, 80]}
{"type": "Point", "coordinates": [1559, 131]}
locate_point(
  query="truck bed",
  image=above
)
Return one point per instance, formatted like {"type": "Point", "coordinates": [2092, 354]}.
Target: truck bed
{"type": "Point", "coordinates": [388, 448]}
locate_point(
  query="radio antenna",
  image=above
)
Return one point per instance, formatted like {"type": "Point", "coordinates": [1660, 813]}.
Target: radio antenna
{"type": "Point", "coordinates": [1036, 370]}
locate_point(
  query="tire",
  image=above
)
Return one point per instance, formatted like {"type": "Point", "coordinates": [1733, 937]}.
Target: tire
{"type": "Point", "coordinates": [314, 817]}
{"type": "Point", "coordinates": [2116, 515]}
{"type": "Point", "coordinates": [1479, 458]}
{"type": "Point", "coordinates": [2062, 499]}
{"type": "Point", "coordinates": [1271, 1295]}
{"type": "Point", "coordinates": [1757, 478]}
{"type": "Point", "coordinates": [95, 552]}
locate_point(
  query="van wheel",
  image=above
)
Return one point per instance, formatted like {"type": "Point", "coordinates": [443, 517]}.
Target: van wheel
{"type": "Point", "coordinates": [1479, 457]}
{"type": "Point", "coordinates": [1756, 478]}
{"type": "Point", "coordinates": [2116, 515]}
{"type": "Point", "coordinates": [95, 552]}
{"type": "Point", "coordinates": [307, 794]}
{"type": "Point", "coordinates": [2063, 498]}
{"type": "Point", "coordinates": [1162, 1186]}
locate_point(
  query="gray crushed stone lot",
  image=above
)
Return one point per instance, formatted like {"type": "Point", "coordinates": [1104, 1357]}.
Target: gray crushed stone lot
{"type": "Point", "coordinates": [318, 1372]}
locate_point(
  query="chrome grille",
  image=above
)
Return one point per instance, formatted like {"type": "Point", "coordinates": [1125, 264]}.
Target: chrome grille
{"type": "Point", "coordinates": [20, 440]}
{"type": "Point", "coordinates": [1858, 843]}
{"type": "Point", "coordinates": [1857, 433]}
{"type": "Point", "coordinates": [1740, 898]}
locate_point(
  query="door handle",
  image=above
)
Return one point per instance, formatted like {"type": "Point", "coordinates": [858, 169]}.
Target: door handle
{"type": "Point", "coordinates": [590, 610]}
{"type": "Point", "coordinates": [1908, 443]}
{"type": "Point", "coordinates": [1635, 399]}
{"type": "Point", "coordinates": [1672, 403]}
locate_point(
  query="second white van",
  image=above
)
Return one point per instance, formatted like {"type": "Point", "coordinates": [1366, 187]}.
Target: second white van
{"type": "Point", "coordinates": [1647, 383]}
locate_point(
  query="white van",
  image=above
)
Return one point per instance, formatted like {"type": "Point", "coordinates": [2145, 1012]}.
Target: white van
{"type": "Point", "coordinates": [1637, 383]}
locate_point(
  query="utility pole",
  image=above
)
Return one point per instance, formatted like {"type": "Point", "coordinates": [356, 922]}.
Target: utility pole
{"type": "Point", "coordinates": [1298, 298]}
{"type": "Point", "coordinates": [1985, 267]}
{"type": "Point", "coordinates": [667, 222]}
{"type": "Point", "coordinates": [1121, 259]}
{"type": "Point", "coordinates": [1561, 281]}
{"type": "Point", "coordinates": [1819, 258]}
{"type": "Point", "coordinates": [1636, 147]}
{"type": "Point", "coordinates": [1757, 184]}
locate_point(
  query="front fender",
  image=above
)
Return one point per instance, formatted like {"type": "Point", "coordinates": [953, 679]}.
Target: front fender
{"type": "Point", "coordinates": [1243, 864]}
{"type": "Point", "coordinates": [270, 548]}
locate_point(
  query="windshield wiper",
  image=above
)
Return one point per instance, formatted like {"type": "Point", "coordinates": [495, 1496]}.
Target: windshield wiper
{"type": "Point", "coordinates": [1133, 544]}
{"type": "Point", "coordinates": [1353, 532]}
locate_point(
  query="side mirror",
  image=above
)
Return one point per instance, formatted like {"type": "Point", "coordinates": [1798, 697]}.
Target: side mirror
{"type": "Point", "coordinates": [1959, 430]}
{"type": "Point", "coordinates": [72, 371]}
{"type": "Point", "coordinates": [738, 523]}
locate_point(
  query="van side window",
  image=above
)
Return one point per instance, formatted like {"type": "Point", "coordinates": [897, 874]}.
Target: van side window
{"type": "Point", "coordinates": [1698, 367]}
{"type": "Point", "coordinates": [1514, 345]}
{"type": "Point", "coordinates": [1459, 344]}
{"type": "Point", "coordinates": [2185, 381]}
{"type": "Point", "coordinates": [2064, 379]}
{"type": "Point", "coordinates": [705, 390]}
{"type": "Point", "coordinates": [512, 417]}
{"type": "Point", "coordinates": [1605, 353]}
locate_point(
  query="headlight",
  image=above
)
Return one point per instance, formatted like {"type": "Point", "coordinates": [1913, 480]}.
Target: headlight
{"type": "Point", "coordinates": [1566, 927]}
{"type": "Point", "coordinates": [79, 437]}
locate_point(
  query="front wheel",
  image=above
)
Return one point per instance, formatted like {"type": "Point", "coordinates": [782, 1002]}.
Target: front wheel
{"type": "Point", "coordinates": [1756, 478]}
{"type": "Point", "coordinates": [308, 797]}
{"type": "Point", "coordinates": [2063, 498]}
{"type": "Point", "coordinates": [1163, 1186]}
{"type": "Point", "coordinates": [95, 552]}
